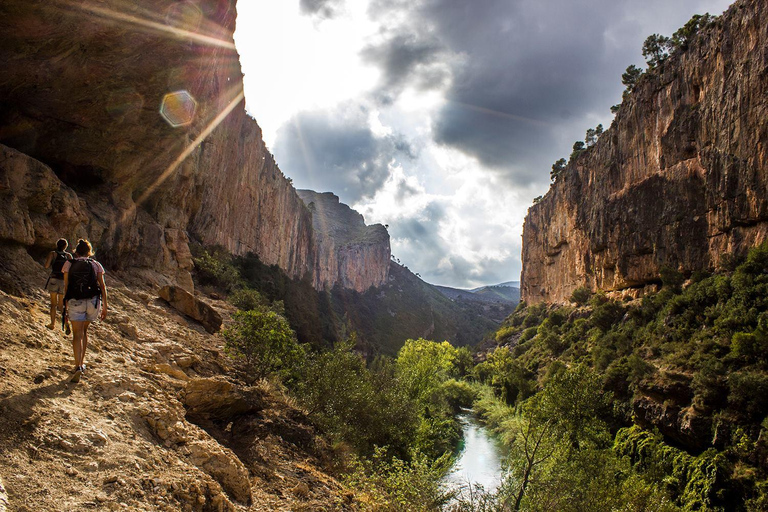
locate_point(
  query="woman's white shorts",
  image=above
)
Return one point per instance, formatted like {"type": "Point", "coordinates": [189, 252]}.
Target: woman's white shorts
{"type": "Point", "coordinates": [83, 310]}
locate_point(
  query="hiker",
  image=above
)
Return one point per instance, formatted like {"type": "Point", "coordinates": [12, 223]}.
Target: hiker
{"type": "Point", "coordinates": [55, 283]}
{"type": "Point", "coordinates": [85, 299]}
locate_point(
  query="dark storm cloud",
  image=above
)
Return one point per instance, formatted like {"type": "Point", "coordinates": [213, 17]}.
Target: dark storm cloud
{"type": "Point", "coordinates": [533, 71]}
{"type": "Point", "coordinates": [320, 8]}
{"type": "Point", "coordinates": [337, 151]}
{"type": "Point", "coordinates": [407, 58]}
{"type": "Point", "coordinates": [533, 65]}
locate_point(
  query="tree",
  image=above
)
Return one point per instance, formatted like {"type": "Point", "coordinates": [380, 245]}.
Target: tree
{"type": "Point", "coordinates": [507, 378]}
{"type": "Point", "coordinates": [557, 169]}
{"type": "Point", "coordinates": [615, 108]}
{"type": "Point", "coordinates": [535, 447]}
{"type": "Point", "coordinates": [575, 402]}
{"type": "Point", "coordinates": [578, 148]}
{"type": "Point", "coordinates": [265, 340]}
{"type": "Point", "coordinates": [593, 134]}
{"type": "Point", "coordinates": [423, 366]}
{"type": "Point", "coordinates": [656, 49]}
{"type": "Point", "coordinates": [630, 77]}
{"type": "Point", "coordinates": [684, 34]}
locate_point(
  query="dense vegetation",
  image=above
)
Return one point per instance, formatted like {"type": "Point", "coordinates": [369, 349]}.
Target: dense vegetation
{"type": "Point", "coordinates": [689, 363]}
{"type": "Point", "coordinates": [656, 403]}
{"type": "Point", "coordinates": [383, 317]}
{"type": "Point", "coordinates": [391, 421]}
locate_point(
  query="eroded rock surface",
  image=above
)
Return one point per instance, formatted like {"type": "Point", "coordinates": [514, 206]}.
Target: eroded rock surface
{"type": "Point", "coordinates": [678, 180]}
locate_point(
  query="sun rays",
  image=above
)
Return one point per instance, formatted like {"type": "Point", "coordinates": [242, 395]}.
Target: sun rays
{"type": "Point", "coordinates": [163, 27]}
{"type": "Point", "coordinates": [191, 147]}
{"type": "Point", "coordinates": [182, 22]}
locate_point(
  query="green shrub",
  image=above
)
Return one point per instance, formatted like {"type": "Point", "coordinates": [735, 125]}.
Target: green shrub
{"type": "Point", "coordinates": [671, 278]}
{"type": "Point", "coordinates": [527, 334]}
{"type": "Point", "coordinates": [607, 314]}
{"type": "Point", "coordinates": [265, 341]}
{"type": "Point", "coordinates": [216, 269]}
{"type": "Point", "coordinates": [749, 345]}
{"type": "Point", "coordinates": [247, 299]}
{"type": "Point", "coordinates": [357, 405]}
{"type": "Point", "coordinates": [504, 333]}
{"type": "Point", "coordinates": [695, 481]}
{"type": "Point", "coordinates": [391, 484]}
{"type": "Point", "coordinates": [581, 295]}
{"type": "Point", "coordinates": [459, 393]}
{"type": "Point", "coordinates": [748, 392]}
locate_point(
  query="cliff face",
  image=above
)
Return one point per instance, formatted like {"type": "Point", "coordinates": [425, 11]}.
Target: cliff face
{"type": "Point", "coordinates": [348, 252]}
{"type": "Point", "coordinates": [678, 180]}
{"type": "Point", "coordinates": [84, 97]}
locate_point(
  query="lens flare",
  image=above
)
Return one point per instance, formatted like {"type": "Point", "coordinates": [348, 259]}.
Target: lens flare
{"type": "Point", "coordinates": [178, 108]}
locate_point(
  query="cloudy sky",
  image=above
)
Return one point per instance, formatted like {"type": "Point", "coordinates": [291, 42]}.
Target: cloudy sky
{"type": "Point", "coordinates": [441, 118]}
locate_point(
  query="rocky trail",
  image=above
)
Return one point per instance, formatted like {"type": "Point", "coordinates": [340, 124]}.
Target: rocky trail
{"type": "Point", "coordinates": [159, 421]}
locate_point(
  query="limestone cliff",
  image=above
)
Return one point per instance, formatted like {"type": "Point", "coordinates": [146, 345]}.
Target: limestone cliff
{"type": "Point", "coordinates": [678, 180]}
{"type": "Point", "coordinates": [348, 252]}
{"type": "Point", "coordinates": [84, 96]}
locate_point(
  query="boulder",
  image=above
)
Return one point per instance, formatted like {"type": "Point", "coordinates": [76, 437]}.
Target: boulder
{"type": "Point", "coordinates": [218, 399]}
{"type": "Point", "coordinates": [188, 304]}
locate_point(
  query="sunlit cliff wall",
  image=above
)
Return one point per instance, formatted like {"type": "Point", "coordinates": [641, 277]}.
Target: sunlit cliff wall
{"type": "Point", "coordinates": [348, 252]}
{"type": "Point", "coordinates": [679, 180]}
{"type": "Point", "coordinates": [81, 93]}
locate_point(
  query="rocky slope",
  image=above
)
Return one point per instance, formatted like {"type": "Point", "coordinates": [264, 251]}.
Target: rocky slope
{"type": "Point", "coordinates": [678, 180]}
{"type": "Point", "coordinates": [160, 420]}
{"type": "Point", "coordinates": [348, 252]}
{"type": "Point", "coordinates": [84, 97]}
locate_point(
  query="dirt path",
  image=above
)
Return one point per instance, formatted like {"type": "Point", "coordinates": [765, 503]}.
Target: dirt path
{"type": "Point", "coordinates": [123, 439]}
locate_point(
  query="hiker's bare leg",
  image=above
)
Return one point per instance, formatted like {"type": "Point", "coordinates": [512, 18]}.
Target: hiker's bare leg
{"type": "Point", "coordinates": [54, 301]}
{"type": "Point", "coordinates": [60, 304]}
{"type": "Point", "coordinates": [84, 342]}
{"type": "Point", "coordinates": [77, 340]}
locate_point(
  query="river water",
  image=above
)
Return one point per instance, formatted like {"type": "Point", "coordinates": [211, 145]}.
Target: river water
{"type": "Point", "coordinates": [479, 459]}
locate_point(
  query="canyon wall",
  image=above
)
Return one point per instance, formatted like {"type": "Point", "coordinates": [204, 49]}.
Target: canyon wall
{"type": "Point", "coordinates": [83, 97]}
{"type": "Point", "coordinates": [679, 180]}
{"type": "Point", "coordinates": [348, 252]}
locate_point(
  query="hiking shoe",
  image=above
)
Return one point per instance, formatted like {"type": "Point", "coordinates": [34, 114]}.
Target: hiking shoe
{"type": "Point", "coordinates": [50, 326]}
{"type": "Point", "coordinates": [76, 376]}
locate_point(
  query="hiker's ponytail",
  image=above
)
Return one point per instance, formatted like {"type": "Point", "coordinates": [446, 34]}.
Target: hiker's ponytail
{"type": "Point", "coordinates": [84, 248]}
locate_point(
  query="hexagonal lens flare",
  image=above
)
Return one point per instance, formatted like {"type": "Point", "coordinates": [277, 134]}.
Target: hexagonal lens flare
{"type": "Point", "coordinates": [178, 108]}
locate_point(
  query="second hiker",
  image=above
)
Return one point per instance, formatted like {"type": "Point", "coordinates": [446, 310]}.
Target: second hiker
{"type": "Point", "coordinates": [85, 299]}
{"type": "Point", "coordinates": [55, 283]}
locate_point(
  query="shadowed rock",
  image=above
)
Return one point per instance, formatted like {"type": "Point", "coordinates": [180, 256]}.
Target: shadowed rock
{"type": "Point", "coordinates": [186, 303]}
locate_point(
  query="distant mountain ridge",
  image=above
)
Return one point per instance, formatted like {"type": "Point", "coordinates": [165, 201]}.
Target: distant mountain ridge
{"type": "Point", "coordinates": [508, 292]}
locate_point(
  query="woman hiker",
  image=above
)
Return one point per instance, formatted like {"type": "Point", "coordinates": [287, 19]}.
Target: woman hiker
{"type": "Point", "coordinates": [55, 283]}
{"type": "Point", "coordinates": [85, 299]}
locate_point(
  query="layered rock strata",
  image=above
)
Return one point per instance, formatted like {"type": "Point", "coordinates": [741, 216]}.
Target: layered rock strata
{"type": "Point", "coordinates": [84, 97]}
{"type": "Point", "coordinates": [679, 180]}
{"type": "Point", "coordinates": [349, 252]}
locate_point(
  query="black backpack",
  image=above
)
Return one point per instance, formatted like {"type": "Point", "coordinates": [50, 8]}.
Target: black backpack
{"type": "Point", "coordinates": [82, 283]}
{"type": "Point", "coordinates": [58, 262]}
